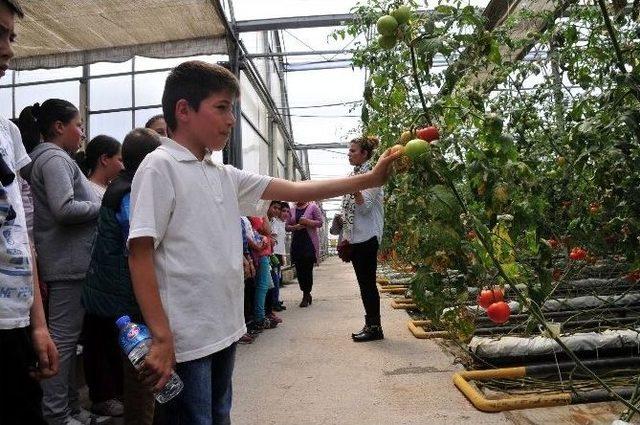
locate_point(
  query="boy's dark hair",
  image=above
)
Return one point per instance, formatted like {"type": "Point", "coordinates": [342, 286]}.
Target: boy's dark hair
{"type": "Point", "coordinates": [138, 144]}
{"type": "Point", "coordinates": [278, 203]}
{"type": "Point", "coordinates": [14, 6]}
{"type": "Point", "coordinates": [285, 205]}
{"type": "Point", "coordinates": [153, 119]}
{"type": "Point", "coordinates": [194, 81]}
{"type": "Point", "coordinates": [42, 117]}
{"type": "Point", "coordinates": [98, 146]}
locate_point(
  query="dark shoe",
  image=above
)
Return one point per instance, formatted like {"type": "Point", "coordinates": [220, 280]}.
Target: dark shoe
{"type": "Point", "coordinates": [277, 308]}
{"type": "Point", "coordinates": [369, 333]}
{"type": "Point", "coordinates": [246, 339]}
{"type": "Point", "coordinates": [310, 299]}
{"type": "Point", "coordinates": [304, 302]}
{"type": "Point", "coordinates": [362, 331]}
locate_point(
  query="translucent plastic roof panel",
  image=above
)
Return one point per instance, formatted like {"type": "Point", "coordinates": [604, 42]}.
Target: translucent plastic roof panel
{"type": "Point", "coordinates": [59, 33]}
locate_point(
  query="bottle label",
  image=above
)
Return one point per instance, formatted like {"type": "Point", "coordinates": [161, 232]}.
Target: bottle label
{"type": "Point", "coordinates": [133, 335]}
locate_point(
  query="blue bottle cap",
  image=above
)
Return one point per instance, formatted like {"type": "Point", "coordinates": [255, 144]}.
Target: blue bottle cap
{"type": "Point", "coordinates": [123, 321]}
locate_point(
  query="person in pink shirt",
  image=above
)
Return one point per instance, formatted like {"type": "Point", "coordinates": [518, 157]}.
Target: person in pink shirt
{"type": "Point", "coordinates": [304, 221]}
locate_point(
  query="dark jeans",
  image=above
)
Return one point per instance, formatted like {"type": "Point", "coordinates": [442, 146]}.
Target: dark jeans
{"type": "Point", "coordinates": [364, 257]}
{"type": "Point", "coordinates": [249, 291]}
{"type": "Point", "coordinates": [20, 395]}
{"type": "Point", "coordinates": [207, 394]}
{"type": "Point", "coordinates": [304, 271]}
{"type": "Point", "coordinates": [102, 358]}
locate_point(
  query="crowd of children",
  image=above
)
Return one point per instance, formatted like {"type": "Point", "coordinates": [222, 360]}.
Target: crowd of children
{"type": "Point", "coordinates": [150, 228]}
{"type": "Point", "coordinates": [263, 255]}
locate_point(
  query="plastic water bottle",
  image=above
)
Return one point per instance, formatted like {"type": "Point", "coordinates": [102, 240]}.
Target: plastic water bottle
{"type": "Point", "coordinates": [135, 341]}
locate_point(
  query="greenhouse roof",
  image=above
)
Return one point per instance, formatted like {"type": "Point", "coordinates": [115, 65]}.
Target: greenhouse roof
{"type": "Point", "coordinates": [61, 33]}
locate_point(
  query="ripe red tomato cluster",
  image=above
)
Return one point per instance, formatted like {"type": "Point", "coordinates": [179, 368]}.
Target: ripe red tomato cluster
{"type": "Point", "coordinates": [486, 297]}
{"type": "Point", "coordinates": [428, 133]}
{"type": "Point", "coordinates": [553, 243]}
{"type": "Point", "coordinates": [492, 300]}
{"type": "Point", "coordinates": [578, 254]}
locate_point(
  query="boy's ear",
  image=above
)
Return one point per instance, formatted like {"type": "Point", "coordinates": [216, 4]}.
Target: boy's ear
{"type": "Point", "coordinates": [182, 110]}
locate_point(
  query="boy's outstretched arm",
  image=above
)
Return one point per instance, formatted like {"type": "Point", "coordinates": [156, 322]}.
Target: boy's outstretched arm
{"type": "Point", "coordinates": [310, 190]}
{"type": "Point", "coordinates": [159, 363]}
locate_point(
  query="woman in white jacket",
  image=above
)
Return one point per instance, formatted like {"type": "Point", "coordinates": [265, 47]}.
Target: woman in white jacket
{"type": "Point", "coordinates": [363, 218]}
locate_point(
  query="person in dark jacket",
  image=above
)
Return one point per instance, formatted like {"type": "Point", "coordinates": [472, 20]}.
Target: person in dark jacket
{"type": "Point", "coordinates": [108, 293]}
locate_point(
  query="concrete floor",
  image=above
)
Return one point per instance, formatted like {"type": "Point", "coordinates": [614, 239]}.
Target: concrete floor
{"type": "Point", "coordinates": [308, 371]}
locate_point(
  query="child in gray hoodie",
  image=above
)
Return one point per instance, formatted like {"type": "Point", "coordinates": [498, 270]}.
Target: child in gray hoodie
{"type": "Point", "coordinates": [65, 216]}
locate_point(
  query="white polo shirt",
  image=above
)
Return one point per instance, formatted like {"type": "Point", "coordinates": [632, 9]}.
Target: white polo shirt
{"type": "Point", "coordinates": [192, 210]}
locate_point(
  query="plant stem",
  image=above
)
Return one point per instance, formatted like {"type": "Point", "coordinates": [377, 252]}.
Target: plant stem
{"type": "Point", "coordinates": [416, 80]}
{"type": "Point", "coordinates": [612, 35]}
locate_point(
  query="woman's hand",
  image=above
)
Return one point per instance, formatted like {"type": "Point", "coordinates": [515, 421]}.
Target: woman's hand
{"type": "Point", "coordinates": [306, 223]}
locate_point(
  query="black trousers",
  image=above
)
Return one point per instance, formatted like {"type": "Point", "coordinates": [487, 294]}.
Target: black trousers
{"type": "Point", "coordinates": [364, 257]}
{"type": "Point", "coordinates": [304, 271]}
{"type": "Point", "coordinates": [20, 394]}
{"type": "Point", "coordinates": [103, 369]}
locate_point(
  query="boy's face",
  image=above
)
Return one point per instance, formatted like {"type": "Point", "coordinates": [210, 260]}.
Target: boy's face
{"type": "Point", "coordinates": [211, 125]}
{"type": "Point", "coordinates": [284, 214]}
{"type": "Point", "coordinates": [274, 210]}
{"type": "Point", "coordinates": [7, 37]}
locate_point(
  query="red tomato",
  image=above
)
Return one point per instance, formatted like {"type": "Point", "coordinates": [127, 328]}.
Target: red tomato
{"type": "Point", "coordinates": [633, 277]}
{"type": "Point", "coordinates": [499, 312]}
{"type": "Point", "coordinates": [578, 254]}
{"type": "Point", "coordinates": [428, 133]}
{"type": "Point", "coordinates": [471, 235]}
{"type": "Point", "coordinates": [486, 297]}
{"type": "Point", "coordinates": [553, 243]}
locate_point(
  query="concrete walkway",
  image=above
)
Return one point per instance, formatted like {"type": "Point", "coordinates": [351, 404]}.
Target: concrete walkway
{"type": "Point", "coordinates": [308, 371]}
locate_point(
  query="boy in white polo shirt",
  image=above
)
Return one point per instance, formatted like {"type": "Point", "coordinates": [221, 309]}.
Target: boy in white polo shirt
{"type": "Point", "coordinates": [185, 237]}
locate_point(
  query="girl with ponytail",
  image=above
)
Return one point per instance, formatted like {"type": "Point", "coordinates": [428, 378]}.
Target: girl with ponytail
{"type": "Point", "coordinates": [65, 216]}
{"type": "Point", "coordinates": [101, 162]}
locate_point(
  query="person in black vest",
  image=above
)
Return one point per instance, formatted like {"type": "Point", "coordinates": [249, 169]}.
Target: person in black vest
{"type": "Point", "coordinates": [108, 293]}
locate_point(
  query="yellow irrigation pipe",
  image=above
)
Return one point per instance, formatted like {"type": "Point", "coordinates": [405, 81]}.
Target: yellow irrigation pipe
{"type": "Point", "coordinates": [415, 326]}
{"type": "Point", "coordinates": [461, 380]}
{"type": "Point", "coordinates": [382, 281]}
{"type": "Point", "coordinates": [399, 290]}
{"type": "Point", "coordinates": [410, 305]}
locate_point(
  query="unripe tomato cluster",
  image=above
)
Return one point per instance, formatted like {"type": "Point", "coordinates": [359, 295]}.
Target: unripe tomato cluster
{"type": "Point", "coordinates": [416, 143]}
{"type": "Point", "coordinates": [492, 300]}
{"type": "Point", "coordinates": [391, 27]}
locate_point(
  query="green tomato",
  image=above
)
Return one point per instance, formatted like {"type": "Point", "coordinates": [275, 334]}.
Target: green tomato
{"type": "Point", "coordinates": [415, 148]}
{"type": "Point", "coordinates": [402, 14]}
{"type": "Point", "coordinates": [387, 42]}
{"type": "Point", "coordinates": [387, 25]}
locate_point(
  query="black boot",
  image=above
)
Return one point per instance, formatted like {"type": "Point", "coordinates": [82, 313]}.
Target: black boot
{"type": "Point", "coordinates": [305, 300]}
{"type": "Point", "coordinates": [369, 333]}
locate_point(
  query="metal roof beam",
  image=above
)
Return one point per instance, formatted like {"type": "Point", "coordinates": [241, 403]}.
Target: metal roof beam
{"type": "Point", "coordinates": [311, 146]}
{"type": "Point", "coordinates": [294, 22]}
{"type": "Point", "coordinates": [299, 53]}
